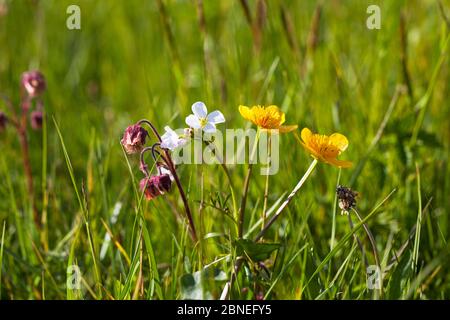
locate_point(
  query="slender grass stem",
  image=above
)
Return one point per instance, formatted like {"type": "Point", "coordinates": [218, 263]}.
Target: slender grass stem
{"type": "Point", "coordinates": [266, 188]}
{"type": "Point", "coordinates": [373, 244]}
{"type": "Point", "coordinates": [333, 220]}
{"type": "Point", "coordinates": [246, 185]}
{"type": "Point", "coordinates": [224, 167]}
{"type": "Point", "coordinates": [288, 200]}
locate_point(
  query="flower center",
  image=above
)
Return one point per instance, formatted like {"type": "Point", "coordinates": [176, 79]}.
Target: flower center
{"type": "Point", "coordinates": [203, 122]}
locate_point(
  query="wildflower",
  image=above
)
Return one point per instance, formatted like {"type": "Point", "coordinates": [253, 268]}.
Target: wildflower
{"type": "Point", "coordinates": [36, 120]}
{"type": "Point", "coordinates": [3, 121]}
{"type": "Point", "coordinates": [202, 120]}
{"type": "Point", "coordinates": [34, 83]}
{"type": "Point", "coordinates": [134, 139]}
{"type": "Point", "coordinates": [346, 197]}
{"type": "Point", "coordinates": [164, 170]}
{"type": "Point", "coordinates": [267, 118]}
{"type": "Point", "coordinates": [171, 140]}
{"type": "Point", "coordinates": [155, 185]}
{"type": "Point", "coordinates": [325, 148]}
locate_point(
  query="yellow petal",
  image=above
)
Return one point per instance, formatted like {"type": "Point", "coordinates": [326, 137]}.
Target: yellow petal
{"type": "Point", "coordinates": [246, 113]}
{"type": "Point", "coordinates": [284, 129]}
{"type": "Point", "coordinates": [311, 151]}
{"type": "Point", "coordinates": [339, 141]}
{"type": "Point", "coordinates": [339, 163]}
{"type": "Point", "coordinates": [306, 135]}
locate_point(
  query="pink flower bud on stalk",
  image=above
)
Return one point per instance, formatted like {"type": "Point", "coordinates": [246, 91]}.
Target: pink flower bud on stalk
{"type": "Point", "coordinates": [134, 139]}
{"type": "Point", "coordinates": [3, 121]}
{"type": "Point", "coordinates": [36, 120]}
{"type": "Point", "coordinates": [155, 185]}
{"type": "Point", "coordinates": [33, 83]}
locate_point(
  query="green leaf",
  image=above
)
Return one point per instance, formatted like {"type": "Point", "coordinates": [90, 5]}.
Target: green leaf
{"type": "Point", "coordinates": [255, 251]}
{"type": "Point", "coordinates": [194, 285]}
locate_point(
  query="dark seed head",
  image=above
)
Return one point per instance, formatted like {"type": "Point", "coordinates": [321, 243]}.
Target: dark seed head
{"type": "Point", "coordinates": [347, 198]}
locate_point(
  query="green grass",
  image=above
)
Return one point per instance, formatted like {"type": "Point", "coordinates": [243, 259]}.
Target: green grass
{"type": "Point", "coordinates": [386, 90]}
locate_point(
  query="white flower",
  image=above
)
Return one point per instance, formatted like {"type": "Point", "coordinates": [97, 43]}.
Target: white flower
{"type": "Point", "coordinates": [202, 120]}
{"type": "Point", "coordinates": [171, 140]}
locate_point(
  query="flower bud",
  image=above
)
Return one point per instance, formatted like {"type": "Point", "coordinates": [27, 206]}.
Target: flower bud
{"type": "Point", "coordinates": [34, 83]}
{"type": "Point", "coordinates": [134, 139]}
{"type": "Point", "coordinates": [36, 119]}
{"type": "Point", "coordinates": [3, 121]}
{"type": "Point", "coordinates": [155, 186]}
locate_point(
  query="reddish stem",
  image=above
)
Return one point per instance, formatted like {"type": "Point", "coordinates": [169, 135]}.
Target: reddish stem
{"type": "Point", "coordinates": [171, 166]}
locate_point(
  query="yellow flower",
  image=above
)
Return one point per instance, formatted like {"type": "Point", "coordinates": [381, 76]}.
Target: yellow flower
{"type": "Point", "coordinates": [267, 118]}
{"type": "Point", "coordinates": [325, 148]}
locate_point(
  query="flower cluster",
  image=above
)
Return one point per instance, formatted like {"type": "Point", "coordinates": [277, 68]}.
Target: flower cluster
{"type": "Point", "coordinates": [321, 147]}
{"type": "Point", "coordinates": [134, 140]}
{"type": "Point", "coordinates": [198, 120]}
{"type": "Point", "coordinates": [33, 85]}
{"type": "Point", "coordinates": [28, 113]}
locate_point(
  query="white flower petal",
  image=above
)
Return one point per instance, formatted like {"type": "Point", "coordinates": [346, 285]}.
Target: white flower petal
{"type": "Point", "coordinates": [215, 117]}
{"type": "Point", "coordinates": [209, 128]}
{"type": "Point", "coordinates": [199, 109]}
{"type": "Point", "coordinates": [164, 170]}
{"type": "Point", "coordinates": [193, 121]}
{"type": "Point", "coordinates": [169, 130]}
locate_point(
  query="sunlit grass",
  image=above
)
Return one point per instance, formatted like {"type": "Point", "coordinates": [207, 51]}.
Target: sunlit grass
{"type": "Point", "coordinates": [386, 90]}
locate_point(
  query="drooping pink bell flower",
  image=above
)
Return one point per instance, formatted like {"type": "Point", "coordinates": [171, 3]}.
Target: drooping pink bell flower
{"type": "Point", "coordinates": [34, 83]}
{"type": "Point", "coordinates": [133, 139]}
{"type": "Point", "coordinates": [36, 119]}
{"type": "Point", "coordinates": [155, 186]}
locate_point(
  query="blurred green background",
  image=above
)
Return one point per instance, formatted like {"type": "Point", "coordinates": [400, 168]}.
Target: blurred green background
{"type": "Point", "coordinates": [317, 60]}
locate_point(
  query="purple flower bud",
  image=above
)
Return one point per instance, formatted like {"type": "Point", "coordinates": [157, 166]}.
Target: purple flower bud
{"type": "Point", "coordinates": [134, 139]}
{"type": "Point", "coordinates": [3, 121]}
{"type": "Point", "coordinates": [155, 186]}
{"type": "Point", "coordinates": [34, 83]}
{"type": "Point", "coordinates": [36, 119]}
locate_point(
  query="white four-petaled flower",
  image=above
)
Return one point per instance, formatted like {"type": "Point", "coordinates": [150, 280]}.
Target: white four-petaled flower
{"type": "Point", "coordinates": [202, 120]}
{"type": "Point", "coordinates": [171, 140]}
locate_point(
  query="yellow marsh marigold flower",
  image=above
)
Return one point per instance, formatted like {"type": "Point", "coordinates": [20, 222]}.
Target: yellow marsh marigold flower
{"type": "Point", "coordinates": [325, 148]}
{"type": "Point", "coordinates": [267, 118]}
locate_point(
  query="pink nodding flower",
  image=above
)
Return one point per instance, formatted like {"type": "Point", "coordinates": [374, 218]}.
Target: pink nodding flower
{"type": "Point", "coordinates": [36, 119]}
{"type": "Point", "coordinates": [155, 186]}
{"type": "Point", "coordinates": [34, 83]}
{"type": "Point", "coordinates": [134, 139]}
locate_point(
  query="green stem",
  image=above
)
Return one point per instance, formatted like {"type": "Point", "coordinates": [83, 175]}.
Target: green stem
{"type": "Point", "coordinates": [333, 221]}
{"type": "Point", "coordinates": [373, 244]}
{"type": "Point", "coordinates": [266, 189]}
{"type": "Point", "coordinates": [246, 185]}
{"type": "Point", "coordinates": [288, 200]}
{"type": "Point", "coordinates": [224, 167]}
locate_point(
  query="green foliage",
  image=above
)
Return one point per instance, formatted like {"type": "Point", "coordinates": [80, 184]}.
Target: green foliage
{"type": "Point", "coordinates": [386, 90]}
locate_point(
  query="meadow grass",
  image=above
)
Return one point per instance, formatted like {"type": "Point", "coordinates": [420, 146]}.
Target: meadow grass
{"type": "Point", "coordinates": [386, 90]}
